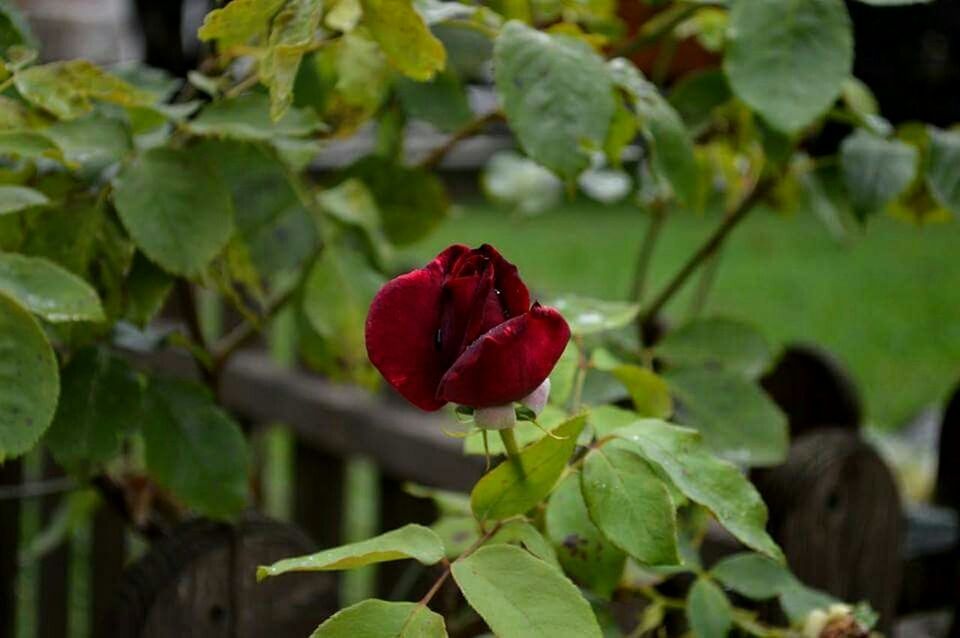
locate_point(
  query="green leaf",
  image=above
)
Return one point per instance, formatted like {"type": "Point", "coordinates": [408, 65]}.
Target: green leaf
{"type": "Point", "coordinates": [708, 611]}
{"type": "Point", "coordinates": [716, 484]}
{"type": "Point", "coordinates": [94, 142]}
{"type": "Point", "coordinates": [14, 28]}
{"type": "Point", "coordinates": [157, 82]}
{"type": "Point", "coordinates": [524, 534]}
{"type": "Point", "coordinates": [194, 449]}
{"type": "Point", "coordinates": [291, 35]}
{"type": "Point", "coordinates": [717, 342]}
{"type": "Point", "coordinates": [48, 290]}
{"type": "Point", "coordinates": [99, 403]}
{"type": "Point", "coordinates": [622, 131]}
{"type": "Point", "coordinates": [665, 131]}
{"type": "Point", "coordinates": [447, 502]}
{"type": "Point", "coordinates": [337, 294]}
{"type": "Point", "coordinates": [505, 491]}
{"type": "Point", "coordinates": [176, 208]}
{"type": "Point", "coordinates": [68, 89]}
{"type": "Point", "coordinates": [410, 541]}
{"type": "Point", "coordinates": [271, 219]}
{"type": "Point", "coordinates": [630, 505]}
{"type": "Point", "coordinates": [238, 21]}
{"type": "Point", "coordinates": [759, 578]}
{"type": "Point", "coordinates": [28, 145]}
{"type": "Point", "coordinates": [29, 382]}
{"type": "Point", "coordinates": [457, 533]}
{"type": "Point", "coordinates": [583, 551]}
{"type": "Point", "coordinates": [695, 97]}
{"type": "Point", "coordinates": [147, 288]}
{"type": "Point", "coordinates": [404, 37]}
{"type": "Point", "coordinates": [876, 170]}
{"type": "Point", "coordinates": [352, 204]}
{"type": "Point", "coordinates": [605, 419]}
{"type": "Point", "coordinates": [442, 101]}
{"type": "Point", "coordinates": [412, 201]}
{"type": "Point", "coordinates": [799, 600]}
{"type": "Point", "coordinates": [589, 316]}
{"type": "Point", "coordinates": [943, 168]}
{"type": "Point", "coordinates": [557, 95]}
{"type": "Point", "coordinates": [648, 390]}
{"type": "Point", "coordinates": [737, 419]}
{"type": "Point", "coordinates": [788, 59]}
{"type": "Point", "coordinates": [520, 596]}
{"type": "Point", "coordinates": [753, 575]}
{"type": "Point", "coordinates": [14, 199]}
{"type": "Point", "coordinates": [248, 118]}
{"type": "Point", "coordinates": [382, 619]}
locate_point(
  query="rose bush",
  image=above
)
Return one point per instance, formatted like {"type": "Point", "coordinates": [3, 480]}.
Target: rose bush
{"type": "Point", "coordinates": [462, 330]}
{"type": "Point", "coordinates": [121, 190]}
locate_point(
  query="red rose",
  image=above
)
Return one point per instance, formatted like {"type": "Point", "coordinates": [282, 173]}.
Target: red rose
{"type": "Point", "coordinates": [462, 330]}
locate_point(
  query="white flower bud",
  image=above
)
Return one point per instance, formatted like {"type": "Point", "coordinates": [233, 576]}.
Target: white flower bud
{"type": "Point", "coordinates": [537, 399]}
{"type": "Point", "coordinates": [498, 417]}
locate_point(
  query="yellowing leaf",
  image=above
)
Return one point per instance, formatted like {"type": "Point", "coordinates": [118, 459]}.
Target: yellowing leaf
{"type": "Point", "coordinates": [238, 21]}
{"type": "Point", "coordinates": [291, 33]}
{"type": "Point", "coordinates": [68, 89]}
{"type": "Point", "coordinates": [343, 15]}
{"type": "Point", "coordinates": [405, 38]}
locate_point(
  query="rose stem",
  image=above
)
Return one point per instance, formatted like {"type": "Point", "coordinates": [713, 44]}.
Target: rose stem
{"type": "Point", "coordinates": [513, 452]}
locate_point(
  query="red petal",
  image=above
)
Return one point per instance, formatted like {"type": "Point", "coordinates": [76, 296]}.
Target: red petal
{"type": "Point", "coordinates": [401, 331]}
{"type": "Point", "coordinates": [516, 297]}
{"type": "Point", "coordinates": [509, 362]}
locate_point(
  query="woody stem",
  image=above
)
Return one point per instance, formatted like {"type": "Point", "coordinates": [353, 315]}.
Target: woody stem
{"type": "Point", "coordinates": [513, 452]}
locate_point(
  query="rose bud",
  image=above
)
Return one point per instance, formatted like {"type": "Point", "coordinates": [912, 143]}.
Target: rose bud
{"type": "Point", "coordinates": [462, 330]}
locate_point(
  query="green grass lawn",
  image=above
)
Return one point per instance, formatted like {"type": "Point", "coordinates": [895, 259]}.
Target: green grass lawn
{"type": "Point", "coordinates": [887, 302]}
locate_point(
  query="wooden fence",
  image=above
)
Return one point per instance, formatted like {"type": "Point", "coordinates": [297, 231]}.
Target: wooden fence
{"type": "Point", "coordinates": [834, 508]}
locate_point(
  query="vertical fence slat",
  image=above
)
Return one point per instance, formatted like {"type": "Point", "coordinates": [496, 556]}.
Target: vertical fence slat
{"type": "Point", "coordinates": [318, 496]}
{"type": "Point", "coordinates": [403, 579]}
{"type": "Point", "coordinates": [11, 474]}
{"type": "Point", "coordinates": [54, 569]}
{"type": "Point", "coordinates": [108, 555]}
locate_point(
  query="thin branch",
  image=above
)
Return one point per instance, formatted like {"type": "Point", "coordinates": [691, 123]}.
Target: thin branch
{"type": "Point", "coordinates": [433, 159]}
{"type": "Point", "coordinates": [436, 586]}
{"type": "Point", "coordinates": [447, 565]}
{"type": "Point", "coordinates": [708, 276]}
{"type": "Point", "coordinates": [246, 331]}
{"type": "Point", "coordinates": [36, 489]}
{"type": "Point", "coordinates": [242, 86]}
{"type": "Point", "coordinates": [658, 214]}
{"type": "Point", "coordinates": [188, 307]}
{"type": "Point", "coordinates": [708, 248]}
